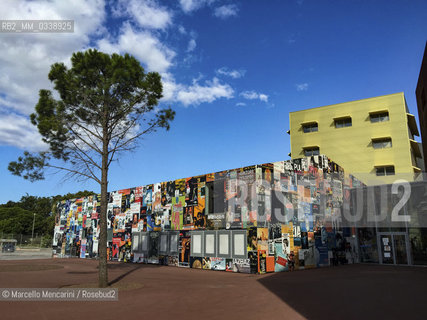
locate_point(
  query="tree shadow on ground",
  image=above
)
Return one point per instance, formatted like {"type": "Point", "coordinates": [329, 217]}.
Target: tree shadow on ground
{"type": "Point", "coordinates": [127, 270]}
{"type": "Point", "coordinates": [352, 291]}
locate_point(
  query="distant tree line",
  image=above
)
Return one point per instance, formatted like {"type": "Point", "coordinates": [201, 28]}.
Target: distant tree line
{"type": "Point", "coordinates": [17, 217]}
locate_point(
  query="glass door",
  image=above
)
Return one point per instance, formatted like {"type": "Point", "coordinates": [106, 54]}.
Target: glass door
{"type": "Point", "coordinates": [393, 247]}
{"type": "Point", "coordinates": [400, 252]}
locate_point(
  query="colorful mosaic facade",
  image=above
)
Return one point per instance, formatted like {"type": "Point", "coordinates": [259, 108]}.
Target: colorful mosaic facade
{"type": "Point", "coordinates": [265, 218]}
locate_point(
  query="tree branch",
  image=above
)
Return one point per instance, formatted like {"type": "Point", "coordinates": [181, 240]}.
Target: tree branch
{"type": "Point", "coordinates": [81, 159]}
{"type": "Point", "coordinates": [92, 146]}
{"type": "Point", "coordinates": [97, 135]}
{"type": "Point", "coordinates": [118, 147]}
{"type": "Point", "coordinates": [74, 172]}
{"type": "Point", "coordinates": [89, 159]}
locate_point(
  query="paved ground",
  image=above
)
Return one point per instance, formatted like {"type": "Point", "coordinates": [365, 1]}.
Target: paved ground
{"type": "Point", "coordinates": [345, 292]}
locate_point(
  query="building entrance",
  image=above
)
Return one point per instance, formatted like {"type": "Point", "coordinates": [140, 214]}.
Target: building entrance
{"type": "Point", "coordinates": [394, 248]}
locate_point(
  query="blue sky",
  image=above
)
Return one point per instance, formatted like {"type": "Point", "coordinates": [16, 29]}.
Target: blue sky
{"type": "Point", "coordinates": [232, 70]}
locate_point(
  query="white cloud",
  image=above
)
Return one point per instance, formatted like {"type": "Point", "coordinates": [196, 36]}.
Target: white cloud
{"type": "Point", "coordinates": [226, 11]}
{"type": "Point", "coordinates": [19, 132]}
{"type": "Point", "coordinates": [150, 51]}
{"type": "Point", "coordinates": [191, 5]}
{"type": "Point", "coordinates": [231, 73]}
{"type": "Point", "coordinates": [146, 13]}
{"type": "Point", "coordinates": [302, 87]}
{"type": "Point", "coordinates": [191, 45]}
{"type": "Point", "coordinates": [263, 97]}
{"type": "Point", "coordinates": [170, 87]}
{"type": "Point", "coordinates": [25, 59]}
{"type": "Point", "coordinates": [240, 104]}
{"type": "Point", "coordinates": [211, 91]}
{"type": "Point", "coordinates": [182, 30]}
{"type": "Point", "coordinates": [158, 57]}
{"type": "Point", "coordinates": [196, 93]}
{"type": "Point", "coordinates": [252, 95]}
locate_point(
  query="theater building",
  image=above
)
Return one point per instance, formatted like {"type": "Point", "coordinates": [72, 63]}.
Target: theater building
{"type": "Point", "coordinates": [262, 218]}
{"type": "Point", "coordinates": [273, 217]}
{"type": "Point", "coordinates": [301, 213]}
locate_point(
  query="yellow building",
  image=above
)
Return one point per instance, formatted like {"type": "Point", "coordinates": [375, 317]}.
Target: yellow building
{"type": "Point", "coordinates": [371, 138]}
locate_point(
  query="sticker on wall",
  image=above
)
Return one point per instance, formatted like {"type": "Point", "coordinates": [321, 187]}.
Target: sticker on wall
{"type": "Point", "coordinates": [115, 249]}
{"type": "Point", "coordinates": [229, 265]}
{"type": "Point", "coordinates": [147, 197]}
{"type": "Point", "coordinates": [184, 249]}
{"type": "Point", "coordinates": [206, 263]}
{"type": "Point", "coordinates": [188, 218]}
{"type": "Point", "coordinates": [304, 240]}
{"type": "Point", "coordinates": [262, 239]}
{"type": "Point", "coordinates": [281, 259]}
{"type": "Point", "coordinates": [252, 239]}
{"type": "Point", "coordinates": [173, 261]}
{"type": "Point", "coordinates": [119, 223]}
{"type": "Point", "coordinates": [199, 219]}
{"type": "Point", "coordinates": [262, 261]}
{"type": "Point", "coordinates": [217, 264]}
{"type": "Point", "coordinates": [286, 244]}
{"type": "Point", "coordinates": [177, 212]}
{"type": "Point", "coordinates": [196, 262]}
{"type": "Point", "coordinates": [191, 192]}
{"type": "Point", "coordinates": [83, 249]}
{"type": "Point", "coordinates": [241, 265]}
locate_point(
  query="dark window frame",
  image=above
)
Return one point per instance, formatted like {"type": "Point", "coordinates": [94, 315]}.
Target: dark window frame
{"type": "Point", "coordinates": [310, 127]}
{"type": "Point", "coordinates": [385, 171]}
{"type": "Point", "coordinates": [343, 122]}
{"type": "Point", "coordinates": [382, 143]}
{"type": "Point", "coordinates": [377, 117]}
{"type": "Point", "coordinates": [311, 151]}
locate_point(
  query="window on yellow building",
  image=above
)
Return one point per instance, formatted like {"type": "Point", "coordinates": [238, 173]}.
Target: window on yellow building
{"type": "Point", "coordinates": [310, 127]}
{"type": "Point", "coordinates": [379, 117]}
{"type": "Point", "coordinates": [385, 171]}
{"type": "Point", "coordinates": [311, 151]}
{"type": "Point", "coordinates": [343, 122]}
{"type": "Point", "coordinates": [381, 143]}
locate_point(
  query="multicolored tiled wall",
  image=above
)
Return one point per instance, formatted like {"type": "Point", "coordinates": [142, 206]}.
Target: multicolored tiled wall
{"type": "Point", "coordinates": [264, 218]}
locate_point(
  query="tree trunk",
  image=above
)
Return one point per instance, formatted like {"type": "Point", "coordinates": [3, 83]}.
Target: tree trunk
{"type": "Point", "coordinates": [102, 242]}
